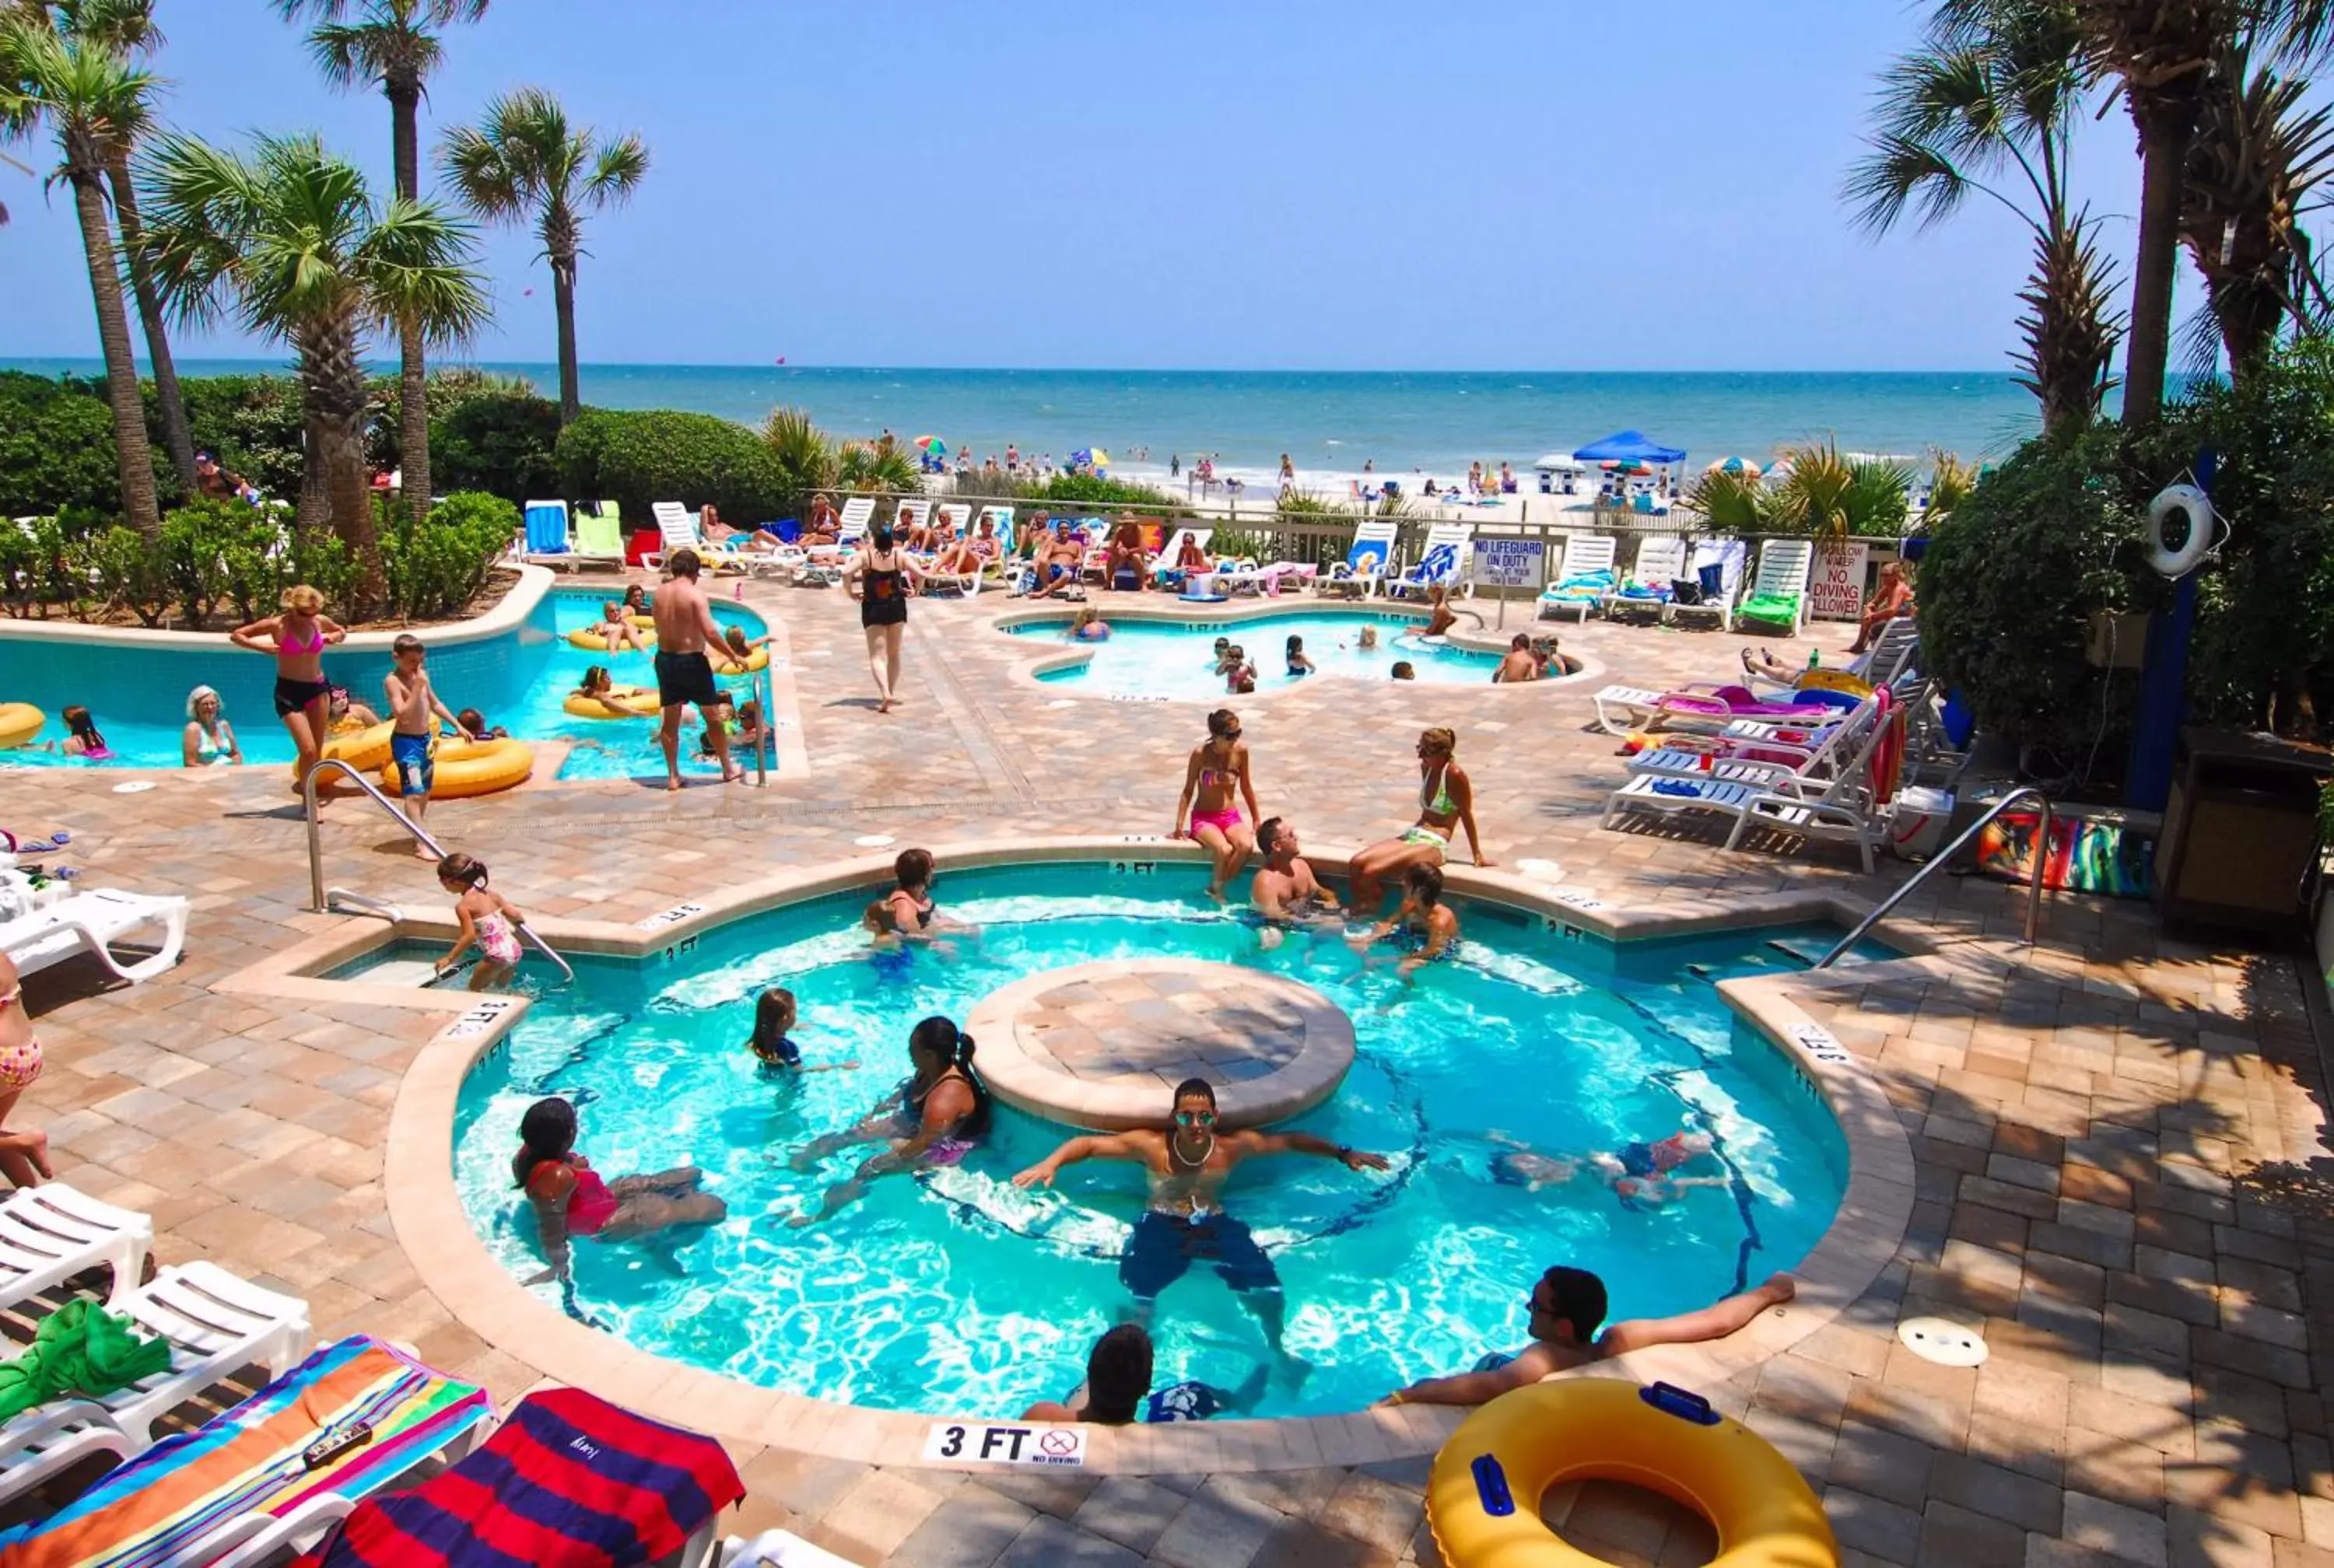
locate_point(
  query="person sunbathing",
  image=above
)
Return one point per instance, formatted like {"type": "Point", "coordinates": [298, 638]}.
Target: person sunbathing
{"type": "Point", "coordinates": [1191, 560]}
{"type": "Point", "coordinates": [1058, 561]}
{"type": "Point", "coordinates": [1892, 599]}
{"type": "Point", "coordinates": [616, 631]}
{"type": "Point", "coordinates": [716, 531]}
{"type": "Point", "coordinates": [961, 557]}
{"type": "Point", "coordinates": [1566, 1306]}
{"type": "Point", "coordinates": [822, 527]}
{"type": "Point", "coordinates": [922, 534]}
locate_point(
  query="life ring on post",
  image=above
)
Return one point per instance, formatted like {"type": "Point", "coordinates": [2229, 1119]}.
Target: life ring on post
{"type": "Point", "coordinates": [1483, 1496]}
{"type": "Point", "coordinates": [2194, 509]}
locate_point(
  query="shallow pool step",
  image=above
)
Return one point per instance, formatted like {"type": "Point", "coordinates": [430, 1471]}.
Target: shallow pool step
{"type": "Point", "coordinates": [413, 972]}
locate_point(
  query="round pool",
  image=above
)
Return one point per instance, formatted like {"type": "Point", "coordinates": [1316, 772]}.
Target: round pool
{"type": "Point", "coordinates": [1174, 660]}
{"type": "Point", "coordinates": [955, 1290]}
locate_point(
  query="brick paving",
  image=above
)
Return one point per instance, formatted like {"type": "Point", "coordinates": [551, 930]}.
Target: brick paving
{"type": "Point", "coordinates": [2160, 1341]}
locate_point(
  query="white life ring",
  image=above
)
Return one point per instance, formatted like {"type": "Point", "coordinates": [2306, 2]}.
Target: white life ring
{"type": "Point", "coordinates": [2195, 508]}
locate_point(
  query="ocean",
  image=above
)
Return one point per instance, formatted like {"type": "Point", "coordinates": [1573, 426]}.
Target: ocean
{"type": "Point", "coordinates": [1328, 423]}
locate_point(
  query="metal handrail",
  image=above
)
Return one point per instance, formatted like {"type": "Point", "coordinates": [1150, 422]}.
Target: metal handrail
{"type": "Point", "coordinates": [768, 738]}
{"type": "Point", "coordinates": [2034, 890]}
{"type": "Point", "coordinates": [317, 846]}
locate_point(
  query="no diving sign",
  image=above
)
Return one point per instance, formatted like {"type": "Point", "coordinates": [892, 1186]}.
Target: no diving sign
{"type": "Point", "coordinates": [997, 1443]}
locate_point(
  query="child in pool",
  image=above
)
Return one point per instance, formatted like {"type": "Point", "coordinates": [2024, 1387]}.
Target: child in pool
{"type": "Point", "coordinates": [746, 731]}
{"type": "Point", "coordinates": [474, 724]}
{"type": "Point", "coordinates": [737, 650]}
{"type": "Point", "coordinates": [616, 630]}
{"type": "Point", "coordinates": [1369, 638]}
{"type": "Point", "coordinates": [1090, 626]}
{"type": "Point", "coordinates": [1402, 670]}
{"type": "Point", "coordinates": [779, 1056]}
{"type": "Point", "coordinates": [1299, 662]}
{"type": "Point", "coordinates": [487, 919]}
{"type": "Point", "coordinates": [1240, 676]}
{"type": "Point", "coordinates": [636, 600]}
{"type": "Point", "coordinates": [82, 738]}
{"type": "Point", "coordinates": [1223, 655]}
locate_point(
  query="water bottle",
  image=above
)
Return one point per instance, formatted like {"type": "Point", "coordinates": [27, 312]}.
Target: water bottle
{"type": "Point", "coordinates": [1815, 657]}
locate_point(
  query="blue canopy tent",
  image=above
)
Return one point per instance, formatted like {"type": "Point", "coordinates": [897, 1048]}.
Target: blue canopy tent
{"type": "Point", "coordinates": [1629, 446]}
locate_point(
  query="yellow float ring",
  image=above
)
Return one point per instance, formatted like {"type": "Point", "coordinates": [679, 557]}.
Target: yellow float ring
{"type": "Point", "coordinates": [759, 659]}
{"type": "Point", "coordinates": [19, 722]}
{"type": "Point", "coordinates": [644, 620]}
{"type": "Point", "coordinates": [1513, 1450]}
{"type": "Point", "coordinates": [1833, 681]}
{"type": "Point", "coordinates": [471, 768]}
{"type": "Point", "coordinates": [595, 643]}
{"type": "Point", "coordinates": [637, 702]}
{"type": "Point", "coordinates": [363, 749]}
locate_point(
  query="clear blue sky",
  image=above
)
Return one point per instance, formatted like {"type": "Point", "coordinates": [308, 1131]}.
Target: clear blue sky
{"type": "Point", "coordinates": [1295, 184]}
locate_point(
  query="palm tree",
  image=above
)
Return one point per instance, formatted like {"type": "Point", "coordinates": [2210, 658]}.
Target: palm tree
{"type": "Point", "coordinates": [1988, 107]}
{"type": "Point", "coordinates": [291, 241]}
{"type": "Point", "coordinates": [2259, 156]}
{"type": "Point", "coordinates": [390, 43]}
{"type": "Point", "coordinates": [93, 101]}
{"type": "Point", "coordinates": [524, 161]}
{"type": "Point", "coordinates": [126, 27]}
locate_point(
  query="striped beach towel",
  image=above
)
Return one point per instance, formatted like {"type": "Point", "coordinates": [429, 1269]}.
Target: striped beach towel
{"type": "Point", "coordinates": [156, 1511]}
{"type": "Point", "coordinates": [569, 1479]}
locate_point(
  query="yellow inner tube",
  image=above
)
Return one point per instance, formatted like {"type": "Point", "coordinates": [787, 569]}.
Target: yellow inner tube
{"type": "Point", "coordinates": [365, 749]}
{"type": "Point", "coordinates": [1603, 1428]}
{"type": "Point", "coordinates": [723, 664]}
{"type": "Point", "coordinates": [471, 768]}
{"type": "Point", "coordinates": [19, 722]}
{"type": "Point", "coordinates": [618, 702]}
{"type": "Point", "coordinates": [597, 643]}
{"type": "Point", "coordinates": [1833, 681]}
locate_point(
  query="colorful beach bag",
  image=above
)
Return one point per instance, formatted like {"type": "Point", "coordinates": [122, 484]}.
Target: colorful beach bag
{"type": "Point", "coordinates": [569, 1480]}
{"type": "Point", "coordinates": [2080, 855]}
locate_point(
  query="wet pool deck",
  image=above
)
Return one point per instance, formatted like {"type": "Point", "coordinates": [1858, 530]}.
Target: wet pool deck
{"type": "Point", "coordinates": [2075, 1117]}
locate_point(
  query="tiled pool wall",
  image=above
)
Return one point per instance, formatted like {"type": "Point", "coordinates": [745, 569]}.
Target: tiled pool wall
{"type": "Point", "coordinates": [144, 677]}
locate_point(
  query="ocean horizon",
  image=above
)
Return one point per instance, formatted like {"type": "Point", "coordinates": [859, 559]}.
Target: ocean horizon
{"type": "Point", "coordinates": [1330, 423]}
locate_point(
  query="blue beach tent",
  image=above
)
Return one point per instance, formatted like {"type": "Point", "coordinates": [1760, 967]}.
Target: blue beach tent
{"type": "Point", "coordinates": [1629, 446]}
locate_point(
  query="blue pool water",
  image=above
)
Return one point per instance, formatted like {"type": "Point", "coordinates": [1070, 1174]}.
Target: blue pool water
{"type": "Point", "coordinates": [519, 680]}
{"type": "Point", "coordinates": [958, 1291]}
{"type": "Point", "coordinates": [1176, 659]}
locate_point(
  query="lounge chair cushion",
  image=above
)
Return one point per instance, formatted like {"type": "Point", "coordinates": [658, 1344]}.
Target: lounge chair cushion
{"type": "Point", "coordinates": [1782, 608]}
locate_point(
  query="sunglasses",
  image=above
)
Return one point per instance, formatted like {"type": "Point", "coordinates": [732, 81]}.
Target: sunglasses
{"type": "Point", "coordinates": [1195, 1119]}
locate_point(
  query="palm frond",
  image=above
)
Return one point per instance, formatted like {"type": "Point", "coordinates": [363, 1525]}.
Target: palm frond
{"type": "Point", "coordinates": [616, 174]}
{"type": "Point", "coordinates": [1901, 174]}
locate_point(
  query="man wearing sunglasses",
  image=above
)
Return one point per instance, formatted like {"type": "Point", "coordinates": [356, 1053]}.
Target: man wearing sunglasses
{"type": "Point", "coordinates": [1185, 1222]}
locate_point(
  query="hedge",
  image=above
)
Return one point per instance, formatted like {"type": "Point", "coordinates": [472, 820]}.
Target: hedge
{"type": "Point", "coordinates": [636, 459]}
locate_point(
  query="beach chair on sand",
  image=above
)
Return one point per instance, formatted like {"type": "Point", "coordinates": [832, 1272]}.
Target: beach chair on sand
{"type": "Point", "coordinates": [238, 1491]}
{"type": "Point", "coordinates": [1717, 562]}
{"type": "Point", "coordinates": [51, 1233]}
{"type": "Point", "coordinates": [1359, 574]}
{"type": "Point", "coordinates": [94, 922]}
{"type": "Point", "coordinates": [822, 566]}
{"type": "Point", "coordinates": [1588, 578]}
{"type": "Point", "coordinates": [1644, 595]}
{"type": "Point", "coordinates": [1844, 805]}
{"type": "Point", "coordinates": [216, 1325]}
{"type": "Point", "coordinates": [1779, 594]}
{"type": "Point", "coordinates": [650, 1491]}
{"type": "Point", "coordinates": [1442, 561]}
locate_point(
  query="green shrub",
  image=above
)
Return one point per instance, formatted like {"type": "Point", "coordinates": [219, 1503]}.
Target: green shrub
{"type": "Point", "coordinates": [503, 442]}
{"type": "Point", "coordinates": [204, 544]}
{"type": "Point", "coordinates": [323, 562]}
{"type": "Point", "coordinates": [56, 446]}
{"type": "Point", "coordinates": [127, 571]}
{"type": "Point", "coordinates": [636, 459]}
{"type": "Point", "coordinates": [436, 567]}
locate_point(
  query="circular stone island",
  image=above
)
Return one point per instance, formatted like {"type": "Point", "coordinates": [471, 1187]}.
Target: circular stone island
{"type": "Point", "coordinates": [1102, 1045]}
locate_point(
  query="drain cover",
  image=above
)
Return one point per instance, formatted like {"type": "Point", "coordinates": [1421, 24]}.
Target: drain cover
{"type": "Point", "coordinates": [136, 787]}
{"type": "Point", "coordinates": [874, 840]}
{"type": "Point", "coordinates": [1941, 1341]}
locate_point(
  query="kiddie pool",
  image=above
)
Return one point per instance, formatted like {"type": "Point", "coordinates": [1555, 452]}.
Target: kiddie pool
{"type": "Point", "coordinates": [957, 1290]}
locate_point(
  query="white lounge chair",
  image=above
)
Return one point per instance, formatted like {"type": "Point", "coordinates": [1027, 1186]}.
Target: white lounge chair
{"type": "Point", "coordinates": [1761, 751]}
{"type": "Point", "coordinates": [545, 539]}
{"type": "Point", "coordinates": [1779, 594]}
{"type": "Point", "coordinates": [1163, 569]}
{"type": "Point", "coordinates": [1644, 593]}
{"type": "Point", "coordinates": [51, 1233]}
{"type": "Point", "coordinates": [1718, 609]}
{"type": "Point", "coordinates": [1442, 561]}
{"type": "Point", "coordinates": [822, 566]}
{"type": "Point", "coordinates": [909, 514]}
{"type": "Point", "coordinates": [1364, 569]}
{"type": "Point", "coordinates": [92, 923]}
{"type": "Point", "coordinates": [217, 1324]}
{"type": "Point", "coordinates": [1587, 579]}
{"type": "Point", "coordinates": [678, 529]}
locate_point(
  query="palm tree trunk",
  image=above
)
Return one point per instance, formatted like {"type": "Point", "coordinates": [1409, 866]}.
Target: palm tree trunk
{"type": "Point", "coordinates": [2166, 119]}
{"type": "Point", "coordinates": [177, 438]}
{"type": "Point", "coordinates": [563, 293]}
{"type": "Point", "coordinates": [136, 458]}
{"type": "Point", "coordinates": [413, 370]}
{"type": "Point", "coordinates": [332, 389]}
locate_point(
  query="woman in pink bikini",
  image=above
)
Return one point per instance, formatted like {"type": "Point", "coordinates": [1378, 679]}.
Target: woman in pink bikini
{"type": "Point", "coordinates": [1214, 784]}
{"type": "Point", "coordinates": [571, 1199]}
{"type": "Point", "coordinates": [24, 1154]}
{"type": "Point", "coordinates": [297, 637]}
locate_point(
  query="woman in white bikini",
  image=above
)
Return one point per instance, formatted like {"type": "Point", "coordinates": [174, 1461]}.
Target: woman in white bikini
{"type": "Point", "coordinates": [24, 1153]}
{"type": "Point", "coordinates": [1446, 801]}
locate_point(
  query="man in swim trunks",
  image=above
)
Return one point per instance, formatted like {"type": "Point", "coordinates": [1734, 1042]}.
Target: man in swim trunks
{"type": "Point", "coordinates": [685, 628]}
{"type": "Point", "coordinates": [1285, 891]}
{"type": "Point", "coordinates": [1184, 1221]}
{"type": "Point", "coordinates": [1519, 664]}
{"type": "Point", "coordinates": [1567, 1306]}
{"type": "Point", "coordinates": [1059, 557]}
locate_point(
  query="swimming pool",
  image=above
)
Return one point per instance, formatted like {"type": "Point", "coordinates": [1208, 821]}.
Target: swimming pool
{"type": "Point", "coordinates": [1175, 660]}
{"type": "Point", "coordinates": [957, 1290]}
{"type": "Point", "coordinates": [519, 679]}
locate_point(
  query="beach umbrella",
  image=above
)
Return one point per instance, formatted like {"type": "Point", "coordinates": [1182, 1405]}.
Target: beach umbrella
{"type": "Point", "coordinates": [931, 446]}
{"type": "Point", "coordinates": [1099, 457]}
{"type": "Point", "coordinates": [1742, 466]}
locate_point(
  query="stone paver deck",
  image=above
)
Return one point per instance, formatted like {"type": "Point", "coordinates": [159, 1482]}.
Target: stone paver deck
{"type": "Point", "coordinates": [2079, 1115]}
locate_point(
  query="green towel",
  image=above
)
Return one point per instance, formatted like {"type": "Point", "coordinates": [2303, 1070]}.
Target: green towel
{"type": "Point", "coordinates": [79, 1349]}
{"type": "Point", "coordinates": [1770, 606]}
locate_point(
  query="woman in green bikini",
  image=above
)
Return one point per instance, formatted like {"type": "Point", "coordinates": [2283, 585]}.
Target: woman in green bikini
{"type": "Point", "coordinates": [1446, 801]}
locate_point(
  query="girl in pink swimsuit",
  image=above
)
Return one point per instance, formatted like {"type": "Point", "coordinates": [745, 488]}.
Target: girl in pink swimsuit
{"type": "Point", "coordinates": [571, 1199]}
{"type": "Point", "coordinates": [486, 918]}
{"type": "Point", "coordinates": [1214, 781]}
{"type": "Point", "coordinates": [24, 1153]}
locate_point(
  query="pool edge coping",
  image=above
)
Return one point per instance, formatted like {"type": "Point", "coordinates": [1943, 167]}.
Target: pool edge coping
{"type": "Point", "coordinates": [425, 1209]}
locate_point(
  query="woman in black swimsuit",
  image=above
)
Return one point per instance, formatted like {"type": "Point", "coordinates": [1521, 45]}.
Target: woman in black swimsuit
{"type": "Point", "coordinates": [881, 577]}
